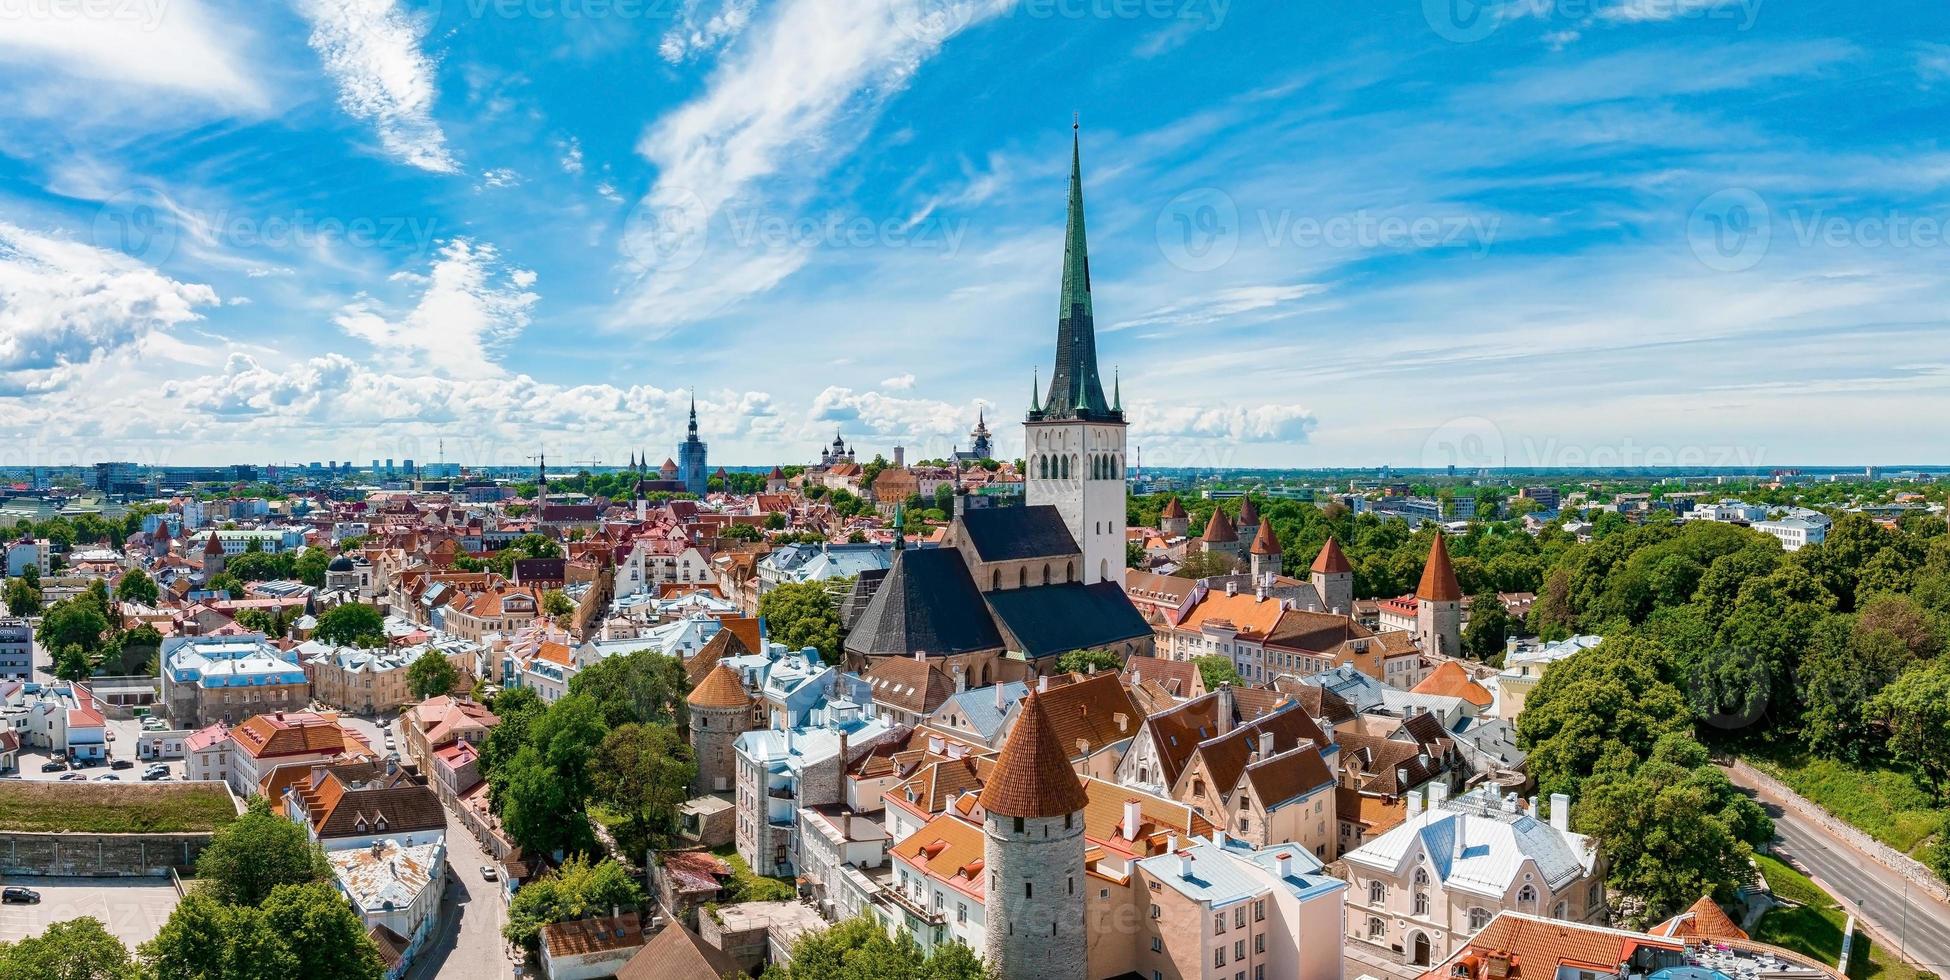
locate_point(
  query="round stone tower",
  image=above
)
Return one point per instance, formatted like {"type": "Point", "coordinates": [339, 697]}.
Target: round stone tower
{"type": "Point", "coordinates": [1438, 604]}
{"type": "Point", "coordinates": [720, 712]}
{"type": "Point", "coordinates": [1333, 579]}
{"type": "Point", "coordinates": [1033, 855]}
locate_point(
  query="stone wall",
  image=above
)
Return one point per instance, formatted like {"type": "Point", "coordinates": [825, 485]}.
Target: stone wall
{"type": "Point", "coordinates": [98, 855]}
{"type": "Point", "coordinates": [1807, 809]}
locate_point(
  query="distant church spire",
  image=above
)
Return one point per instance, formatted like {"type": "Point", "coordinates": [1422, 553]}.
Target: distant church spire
{"type": "Point", "coordinates": [1075, 388]}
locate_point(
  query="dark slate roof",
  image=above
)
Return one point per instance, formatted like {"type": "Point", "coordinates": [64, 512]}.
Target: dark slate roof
{"type": "Point", "coordinates": [1013, 533]}
{"type": "Point", "coordinates": [928, 603]}
{"type": "Point", "coordinates": [855, 604]}
{"type": "Point", "coordinates": [1051, 619]}
{"type": "Point", "coordinates": [539, 569]}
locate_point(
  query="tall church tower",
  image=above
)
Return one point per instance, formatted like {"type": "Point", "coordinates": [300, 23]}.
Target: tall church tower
{"type": "Point", "coordinates": [690, 459]}
{"type": "Point", "coordinates": [1074, 448]}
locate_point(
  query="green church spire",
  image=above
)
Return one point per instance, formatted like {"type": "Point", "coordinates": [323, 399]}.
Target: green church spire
{"type": "Point", "coordinates": [1076, 390]}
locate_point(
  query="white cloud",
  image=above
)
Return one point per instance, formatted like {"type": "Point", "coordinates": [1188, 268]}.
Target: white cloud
{"type": "Point", "coordinates": [64, 305]}
{"type": "Point", "coordinates": [470, 308]}
{"type": "Point", "coordinates": [703, 26]}
{"type": "Point", "coordinates": [790, 96]}
{"type": "Point", "coordinates": [1224, 305]}
{"type": "Point", "coordinates": [499, 177]}
{"type": "Point", "coordinates": [157, 47]}
{"type": "Point", "coordinates": [901, 382]}
{"type": "Point", "coordinates": [571, 156]}
{"type": "Point", "coordinates": [371, 49]}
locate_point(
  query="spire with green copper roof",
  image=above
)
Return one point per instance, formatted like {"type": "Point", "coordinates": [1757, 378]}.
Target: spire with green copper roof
{"type": "Point", "coordinates": [1076, 390]}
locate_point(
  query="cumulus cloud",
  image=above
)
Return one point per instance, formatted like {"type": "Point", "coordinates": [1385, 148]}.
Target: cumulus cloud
{"type": "Point", "coordinates": [704, 26]}
{"type": "Point", "coordinates": [470, 308]}
{"type": "Point", "coordinates": [902, 382]}
{"type": "Point", "coordinates": [371, 50]}
{"type": "Point", "coordinates": [64, 305]}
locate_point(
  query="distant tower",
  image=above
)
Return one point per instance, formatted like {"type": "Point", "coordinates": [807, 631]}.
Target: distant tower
{"type": "Point", "coordinates": [1333, 579]}
{"type": "Point", "coordinates": [213, 557]}
{"type": "Point", "coordinates": [775, 481]}
{"type": "Point", "coordinates": [159, 541]}
{"type": "Point", "coordinates": [690, 459]}
{"type": "Point", "coordinates": [1438, 604]}
{"type": "Point", "coordinates": [541, 485]}
{"type": "Point", "coordinates": [1075, 437]}
{"type": "Point", "coordinates": [1248, 518]}
{"type": "Point", "coordinates": [1219, 537]}
{"type": "Point", "coordinates": [720, 712]}
{"type": "Point", "coordinates": [1265, 553]}
{"type": "Point", "coordinates": [982, 447]}
{"type": "Point", "coordinates": [1174, 521]}
{"type": "Point", "coordinates": [1033, 855]}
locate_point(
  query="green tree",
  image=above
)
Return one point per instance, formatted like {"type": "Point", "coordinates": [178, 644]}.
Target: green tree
{"type": "Point", "coordinates": [644, 772]}
{"type": "Point", "coordinates": [77, 622]}
{"type": "Point", "coordinates": [207, 939]}
{"type": "Point", "coordinates": [77, 949]}
{"type": "Point", "coordinates": [23, 599]}
{"type": "Point", "coordinates": [548, 783]}
{"type": "Point", "coordinates": [1604, 704]}
{"type": "Point", "coordinates": [72, 663]}
{"type": "Point", "coordinates": [517, 708]}
{"type": "Point", "coordinates": [430, 675]}
{"type": "Point", "coordinates": [260, 621]}
{"type": "Point", "coordinates": [260, 851]}
{"type": "Point", "coordinates": [323, 933]}
{"type": "Point", "coordinates": [860, 949]}
{"type": "Point", "coordinates": [640, 686]}
{"type": "Point", "coordinates": [805, 614]}
{"type": "Point", "coordinates": [1915, 709]}
{"type": "Point", "coordinates": [1843, 670]}
{"type": "Point", "coordinates": [227, 584]}
{"type": "Point", "coordinates": [1489, 626]}
{"type": "Point", "coordinates": [557, 605]}
{"type": "Point", "coordinates": [578, 889]}
{"type": "Point", "coordinates": [141, 645]}
{"type": "Point", "coordinates": [136, 586]}
{"type": "Point", "coordinates": [775, 521]}
{"type": "Point", "coordinates": [1086, 661]}
{"type": "Point", "coordinates": [1216, 670]}
{"type": "Point", "coordinates": [1673, 828]}
{"type": "Point", "coordinates": [353, 624]}
{"type": "Point", "coordinates": [1135, 556]}
{"type": "Point", "coordinates": [310, 565]}
{"type": "Point", "coordinates": [1205, 564]}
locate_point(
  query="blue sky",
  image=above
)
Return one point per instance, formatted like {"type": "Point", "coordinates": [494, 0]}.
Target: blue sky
{"type": "Point", "coordinates": [1592, 231]}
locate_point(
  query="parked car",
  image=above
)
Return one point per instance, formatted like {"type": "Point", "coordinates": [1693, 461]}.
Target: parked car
{"type": "Point", "coordinates": [122, 764]}
{"type": "Point", "coordinates": [54, 765]}
{"type": "Point", "coordinates": [108, 777]}
{"type": "Point", "coordinates": [20, 896]}
{"type": "Point", "coordinates": [72, 776]}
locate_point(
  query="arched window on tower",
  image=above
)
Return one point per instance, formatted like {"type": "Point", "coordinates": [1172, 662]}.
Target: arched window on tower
{"type": "Point", "coordinates": [1046, 573]}
{"type": "Point", "coordinates": [995, 580]}
{"type": "Point", "coordinates": [1022, 578]}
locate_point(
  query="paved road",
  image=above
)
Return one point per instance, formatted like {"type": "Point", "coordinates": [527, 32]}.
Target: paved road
{"type": "Point", "coordinates": [475, 948]}
{"type": "Point", "coordinates": [1911, 918]}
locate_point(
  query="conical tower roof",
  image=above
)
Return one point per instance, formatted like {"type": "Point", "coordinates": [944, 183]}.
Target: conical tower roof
{"type": "Point", "coordinates": [720, 688]}
{"type": "Point", "coordinates": [1248, 511]}
{"type": "Point", "coordinates": [1173, 509]}
{"type": "Point", "coordinates": [1032, 777]}
{"type": "Point", "coordinates": [1331, 560]}
{"type": "Point", "coordinates": [1438, 576]}
{"type": "Point", "coordinates": [212, 546]}
{"type": "Point", "coordinates": [1075, 388]}
{"type": "Point", "coordinates": [1266, 542]}
{"type": "Point", "coordinates": [1219, 528]}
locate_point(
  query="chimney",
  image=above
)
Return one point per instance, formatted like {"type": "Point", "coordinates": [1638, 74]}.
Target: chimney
{"type": "Point", "coordinates": [1042, 684]}
{"type": "Point", "coordinates": [1438, 792]}
{"type": "Point", "coordinates": [1218, 837]}
{"type": "Point", "coordinates": [1531, 808]}
{"type": "Point", "coordinates": [1185, 866]}
{"type": "Point", "coordinates": [1171, 843]}
{"type": "Point", "coordinates": [1232, 588]}
{"type": "Point", "coordinates": [1133, 818]}
{"type": "Point", "coordinates": [1414, 803]}
{"type": "Point", "coordinates": [842, 748]}
{"type": "Point", "coordinates": [1285, 860]}
{"type": "Point", "coordinates": [1000, 703]}
{"type": "Point", "coordinates": [1462, 834]}
{"type": "Point", "coordinates": [1561, 812]}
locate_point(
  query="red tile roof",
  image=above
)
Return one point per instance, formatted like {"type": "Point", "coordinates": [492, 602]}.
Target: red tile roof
{"type": "Point", "coordinates": [1331, 560]}
{"type": "Point", "coordinates": [1033, 778]}
{"type": "Point", "coordinates": [1438, 576]}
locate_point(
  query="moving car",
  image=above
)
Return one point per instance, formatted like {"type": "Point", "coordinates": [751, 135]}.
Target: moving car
{"type": "Point", "coordinates": [488, 872]}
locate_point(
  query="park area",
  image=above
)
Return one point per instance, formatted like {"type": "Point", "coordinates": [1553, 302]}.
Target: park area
{"type": "Point", "coordinates": [114, 808]}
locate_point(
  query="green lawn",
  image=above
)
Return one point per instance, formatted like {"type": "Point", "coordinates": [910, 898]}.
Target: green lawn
{"type": "Point", "coordinates": [1884, 803]}
{"type": "Point", "coordinates": [1814, 928]}
{"type": "Point", "coordinates": [747, 886]}
{"type": "Point", "coordinates": [112, 808]}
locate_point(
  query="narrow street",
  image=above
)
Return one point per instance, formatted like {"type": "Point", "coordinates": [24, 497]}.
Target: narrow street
{"type": "Point", "coordinates": [473, 948]}
{"type": "Point", "coordinates": [1911, 918]}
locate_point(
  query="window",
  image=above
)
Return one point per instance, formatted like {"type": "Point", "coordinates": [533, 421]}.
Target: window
{"type": "Point", "coordinates": [1157, 945]}
{"type": "Point", "coordinates": [1239, 917]}
{"type": "Point", "coordinates": [1018, 825]}
{"type": "Point", "coordinates": [1239, 950]}
{"type": "Point", "coordinates": [1259, 943]}
{"type": "Point", "coordinates": [1421, 877]}
{"type": "Point", "coordinates": [1219, 956]}
{"type": "Point", "coordinates": [1527, 897]}
{"type": "Point", "coordinates": [1029, 889]}
{"type": "Point", "coordinates": [1376, 929]}
{"type": "Point", "coordinates": [1478, 918]}
{"type": "Point", "coordinates": [1421, 904]}
{"type": "Point", "coordinates": [1259, 911]}
{"type": "Point", "coordinates": [1377, 893]}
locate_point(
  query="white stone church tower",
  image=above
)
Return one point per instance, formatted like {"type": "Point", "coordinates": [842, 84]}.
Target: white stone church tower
{"type": "Point", "coordinates": [1074, 447]}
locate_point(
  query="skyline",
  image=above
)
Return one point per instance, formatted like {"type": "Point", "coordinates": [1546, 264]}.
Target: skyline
{"type": "Point", "coordinates": [1414, 239]}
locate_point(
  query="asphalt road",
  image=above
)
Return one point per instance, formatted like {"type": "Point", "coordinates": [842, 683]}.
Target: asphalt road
{"type": "Point", "coordinates": [1912, 919]}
